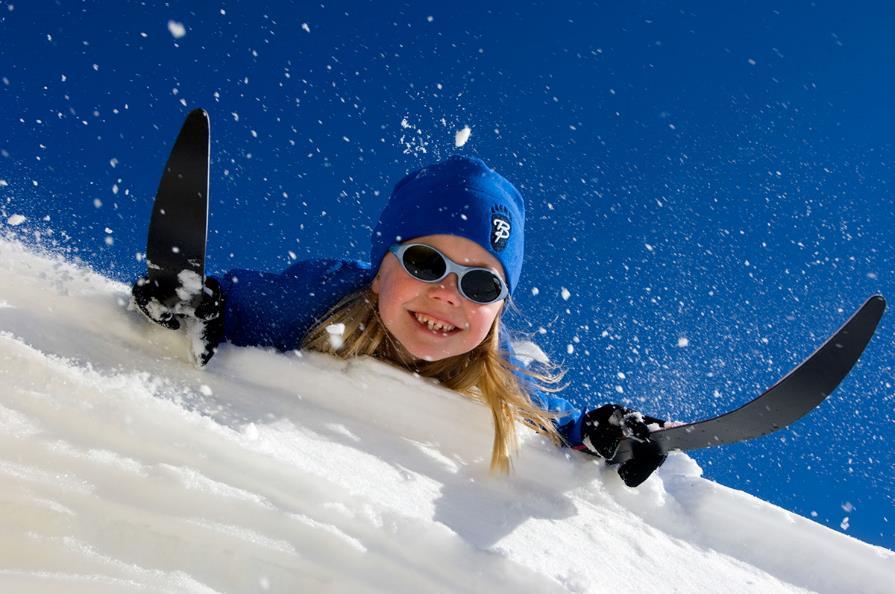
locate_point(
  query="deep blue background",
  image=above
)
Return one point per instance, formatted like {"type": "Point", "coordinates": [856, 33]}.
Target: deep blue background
{"type": "Point", "coordinates": [715, 171]}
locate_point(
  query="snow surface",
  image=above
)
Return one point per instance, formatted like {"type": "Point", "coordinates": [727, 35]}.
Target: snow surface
{"type": "Point", "coordinates": [123, 468]}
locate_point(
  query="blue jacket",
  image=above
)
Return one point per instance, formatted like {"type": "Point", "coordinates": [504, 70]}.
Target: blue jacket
{"type": "Point", "coordinates": [279, 309]}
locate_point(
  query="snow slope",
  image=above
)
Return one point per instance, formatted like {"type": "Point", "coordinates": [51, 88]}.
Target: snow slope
{"type": "Point", "coordinates": [125, 469]}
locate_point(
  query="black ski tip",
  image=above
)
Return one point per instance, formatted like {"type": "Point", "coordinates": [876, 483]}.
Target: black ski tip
{"type": "Point", "coordinates": [875, 303]}
{"type": "Point", "coordinates": [197, 121]}
{"type": "Point", "coordinates": [877, 298]}
{"type": "Point", "coordinates": [198, 113]}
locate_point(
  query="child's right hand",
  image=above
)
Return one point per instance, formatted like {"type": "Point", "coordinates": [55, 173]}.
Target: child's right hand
{"type": "Point", "coordinates": [606, 426]}
{"type": "Point", "coordinates": [146, 298]}
{"type": "Point", "coordinates": [205, 320]}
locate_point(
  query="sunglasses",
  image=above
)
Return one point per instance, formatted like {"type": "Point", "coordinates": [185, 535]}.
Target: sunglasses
{"type": "Point", "coordinates": [423, 262]}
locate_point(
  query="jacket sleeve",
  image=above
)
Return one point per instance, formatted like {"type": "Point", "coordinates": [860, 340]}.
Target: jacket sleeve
{"type": "Point", "coordinates": [277, 309]}
{"type": "Point", "coordinates": [569, 418]}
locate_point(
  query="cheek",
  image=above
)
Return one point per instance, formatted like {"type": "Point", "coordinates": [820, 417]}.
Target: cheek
{"type": "Point", "coordinates": [480, 321]}
{"type": "Point", "coordinates": [393, 292]}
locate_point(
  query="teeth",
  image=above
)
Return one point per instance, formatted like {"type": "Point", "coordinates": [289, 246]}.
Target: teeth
{"type": "Point", "coordinates": [433, 325]}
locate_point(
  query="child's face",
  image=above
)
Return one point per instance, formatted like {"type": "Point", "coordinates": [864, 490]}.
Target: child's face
{"type": "Point", "coordinates": [407, 304]}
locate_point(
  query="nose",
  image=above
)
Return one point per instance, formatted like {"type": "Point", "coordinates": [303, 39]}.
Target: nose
{"type": "Point", "coordinates": [446, 290]}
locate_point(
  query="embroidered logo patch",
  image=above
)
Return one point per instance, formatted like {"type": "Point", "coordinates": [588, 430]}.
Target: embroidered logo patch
{"type": "Point", "coordinates": [500, 228]}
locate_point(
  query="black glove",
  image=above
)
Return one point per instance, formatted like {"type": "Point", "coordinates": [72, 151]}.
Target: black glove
{"type": "Point", "coordinates": [206, 318]}
{"type": "Point", "coordinates": [147, 298]}
{"type": "Point", "coordinates": [606, 426]}
{"type": "Point", "coordinates": [210, 314]}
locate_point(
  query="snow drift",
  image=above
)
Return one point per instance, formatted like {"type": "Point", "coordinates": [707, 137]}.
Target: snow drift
{"type": "Point", "coordinates": [125, 469]}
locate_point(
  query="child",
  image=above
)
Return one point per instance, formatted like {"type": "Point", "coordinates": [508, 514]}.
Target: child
{"type": "Point", "coordinates": [446, 254]}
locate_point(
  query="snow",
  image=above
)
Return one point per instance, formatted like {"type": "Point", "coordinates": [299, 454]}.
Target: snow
{"type": "Point", "coordinates": [461, 137]}
{"type": "Point", "coordinates": [176, 29]}
{"type": "Point", "coordinates": [124, 468]}
{"type": "Point", "coordinates": [336, 332]}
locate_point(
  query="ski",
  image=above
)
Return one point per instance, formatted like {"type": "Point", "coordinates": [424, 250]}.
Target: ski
{"type": "Point", "coordinates": [175, 247]}
{"type": "Point", "coordinates": [791, 398]}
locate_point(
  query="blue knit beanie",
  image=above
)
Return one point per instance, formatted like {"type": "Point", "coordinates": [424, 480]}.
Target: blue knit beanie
{"type": "Point", "coordinates": [458, 196]}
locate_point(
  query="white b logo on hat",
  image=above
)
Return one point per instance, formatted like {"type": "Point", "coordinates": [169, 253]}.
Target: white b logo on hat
{"type": "Point", "coordinates": [500, 233]}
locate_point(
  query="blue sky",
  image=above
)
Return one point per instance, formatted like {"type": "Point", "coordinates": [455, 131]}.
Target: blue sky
{"type": "Point", "coordinates": [710, 174]}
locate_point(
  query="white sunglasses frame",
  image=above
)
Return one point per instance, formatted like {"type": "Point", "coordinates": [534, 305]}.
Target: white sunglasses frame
{"type": "Point", "coordinates": [398, 250]}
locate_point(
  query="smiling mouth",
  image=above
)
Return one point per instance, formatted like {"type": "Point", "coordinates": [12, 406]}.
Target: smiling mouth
{"type": "Point", "coordinates": [433, 325]}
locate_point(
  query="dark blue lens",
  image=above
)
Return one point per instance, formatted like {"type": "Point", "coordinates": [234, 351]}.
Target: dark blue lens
{"type": "Point", "coordinates": [481, 285]}
{"type": "Point", "coordinates": [424, 263]}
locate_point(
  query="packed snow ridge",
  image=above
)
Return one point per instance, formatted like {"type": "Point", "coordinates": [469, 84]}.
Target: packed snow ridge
{"type": "Point", "coordinates": [123, 468]}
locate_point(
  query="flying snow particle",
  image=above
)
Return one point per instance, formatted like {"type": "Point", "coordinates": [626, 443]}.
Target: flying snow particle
{"type": "Point", "coordinates": [535, 291]}
{"type": "Point", "coordinates": [3, 183]}
{"type": "Point", "coordinates": [649, 247]}
{"type": "Point", "coordinates": [336, 333]}
{"type": "Point", "coordinates": [97, 203]}
{"type": "Point", "coordinates": [621, 375]}
{"type": "Point", "coordinates": [570, 349]}
{"type": "Point", "coordinates": [752, 61]}
{"type": "Point", "coordinates": [306, 28]}
{"type": "Point", "coordinates": [848, 507]}
{"type": "Point", "coordinates": [527, 351]}
{"type": "Point", "coordinates": [683, 341]}
{"type": "Point", "coordinates": [844, 524]}
{"type": "Point", "coordinates": [565, 294]}
{"type": "Point", "coordinates": [113, 162]}
{"type": "Point", "coordinates": [206, 390]}
{"type": "Point", "coordinates": [430, 18]}
{"type": "Point", "coordinates": [176, 29]}
{"type": "Point", "coordinates": [462, 136]}
{"type": "Point", "coordinates": [16, 220]}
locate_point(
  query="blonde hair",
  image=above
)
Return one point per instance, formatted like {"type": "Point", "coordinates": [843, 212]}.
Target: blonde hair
{"type": "Point", "coordinates": [484, 373]}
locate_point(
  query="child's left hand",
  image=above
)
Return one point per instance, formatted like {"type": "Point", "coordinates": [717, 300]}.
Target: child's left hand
{"type": "Point", "coordinates": [607, 425]}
